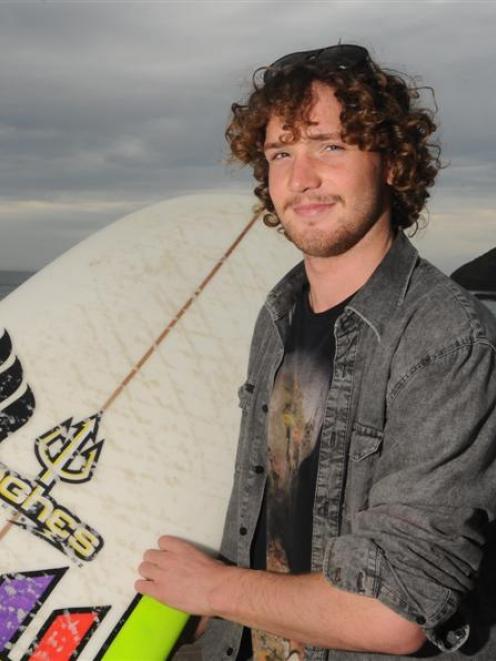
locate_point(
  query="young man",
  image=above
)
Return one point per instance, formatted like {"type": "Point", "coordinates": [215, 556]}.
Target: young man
{"type": "Point", "coordinates": [365, 480]}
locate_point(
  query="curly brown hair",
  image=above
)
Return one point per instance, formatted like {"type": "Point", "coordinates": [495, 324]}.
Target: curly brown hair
{"type": "Point", "coordinates": [380, 112]}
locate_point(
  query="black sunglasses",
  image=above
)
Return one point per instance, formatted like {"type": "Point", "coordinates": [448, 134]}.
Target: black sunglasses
{"type": "Point", "coordinates": [338, 57]}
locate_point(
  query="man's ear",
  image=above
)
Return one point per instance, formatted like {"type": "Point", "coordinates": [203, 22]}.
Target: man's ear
{"type": "Point", "coordinates": [388, 172]}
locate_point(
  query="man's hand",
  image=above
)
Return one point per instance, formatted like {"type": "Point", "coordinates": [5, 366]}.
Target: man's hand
{"type": "Point", "coordinates": [181, 576]}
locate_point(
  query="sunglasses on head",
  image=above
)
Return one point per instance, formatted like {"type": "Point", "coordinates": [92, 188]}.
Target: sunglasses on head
{"type": "Point", "coordinates": [339, 57]}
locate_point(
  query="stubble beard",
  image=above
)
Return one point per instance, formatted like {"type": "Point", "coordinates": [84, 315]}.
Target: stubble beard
{"type": "Point", "coordinates": [343, 235]}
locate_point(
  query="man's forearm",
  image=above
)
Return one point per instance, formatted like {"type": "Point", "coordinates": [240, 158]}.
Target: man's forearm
{"type": "Point", "coordinates": [307, 608]}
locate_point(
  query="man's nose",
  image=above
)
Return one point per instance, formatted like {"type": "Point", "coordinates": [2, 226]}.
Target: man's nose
{"type": "Point", "coordinates": [304, 175]}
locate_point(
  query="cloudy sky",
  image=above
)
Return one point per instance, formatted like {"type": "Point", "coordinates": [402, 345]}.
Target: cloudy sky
{"type": "Point", "coordinates": [107, 107]}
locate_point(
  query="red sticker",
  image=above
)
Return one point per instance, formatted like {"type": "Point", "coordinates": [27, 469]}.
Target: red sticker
{"type": "Point", "coordinates": [65, 633]}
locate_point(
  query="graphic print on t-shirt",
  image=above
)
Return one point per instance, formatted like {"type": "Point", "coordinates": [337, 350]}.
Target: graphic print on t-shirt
{"type": "Point", "coordinates": [295, 419]}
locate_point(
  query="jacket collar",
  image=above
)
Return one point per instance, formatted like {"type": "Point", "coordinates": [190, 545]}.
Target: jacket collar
{"type": "Point", "coordinates": [375, 302]}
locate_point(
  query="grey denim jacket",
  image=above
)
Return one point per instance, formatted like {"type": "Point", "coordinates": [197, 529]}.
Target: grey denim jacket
{"type": "Point", "coordinates": [406, 487]}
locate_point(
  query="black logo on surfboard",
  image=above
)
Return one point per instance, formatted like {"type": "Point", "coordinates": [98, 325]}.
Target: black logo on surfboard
{"type": "Point", "coordinates": [69, 452]}
{"type": "Point", "coordinates": [16, 398]}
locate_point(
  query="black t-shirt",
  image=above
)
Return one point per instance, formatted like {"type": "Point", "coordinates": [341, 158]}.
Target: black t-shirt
{"type": "Point", "coordinates": [283, 536]}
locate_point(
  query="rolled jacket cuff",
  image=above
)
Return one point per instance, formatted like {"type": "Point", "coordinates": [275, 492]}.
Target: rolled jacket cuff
{"type": "Point", "coordinates": [358, 565]}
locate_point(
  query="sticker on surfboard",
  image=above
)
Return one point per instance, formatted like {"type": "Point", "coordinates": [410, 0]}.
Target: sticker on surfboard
{"type": "Point", "coordinates": [69, 453]}
{"type": "Point", "coordinates": [16, 397]}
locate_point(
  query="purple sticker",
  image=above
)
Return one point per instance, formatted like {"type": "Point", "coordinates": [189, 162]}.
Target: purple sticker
{"type": "Point", "coordinates": [21, 596]}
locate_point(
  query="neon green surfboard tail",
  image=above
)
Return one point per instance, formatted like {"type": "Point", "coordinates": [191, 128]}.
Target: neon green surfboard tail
{"type": "Point", "coordinates": [148, 633]}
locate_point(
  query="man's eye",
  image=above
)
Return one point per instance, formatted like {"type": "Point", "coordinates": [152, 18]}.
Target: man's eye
{"type": "Point", "coordinates": [333, 147]}
{"type": "Point", "coordinates": [278, 156]}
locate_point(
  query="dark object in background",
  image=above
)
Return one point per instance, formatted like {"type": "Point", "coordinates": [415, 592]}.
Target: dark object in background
{"type": "Point", "coordinates": [479, 277]}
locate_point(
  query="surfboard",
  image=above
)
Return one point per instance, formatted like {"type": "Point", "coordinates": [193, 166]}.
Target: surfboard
{"type": "Point", "coordinates": [119, 369]}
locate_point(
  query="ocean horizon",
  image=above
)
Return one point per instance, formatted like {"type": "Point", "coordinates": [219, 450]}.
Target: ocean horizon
{"type": "Point", "coordinates": [9, 280]}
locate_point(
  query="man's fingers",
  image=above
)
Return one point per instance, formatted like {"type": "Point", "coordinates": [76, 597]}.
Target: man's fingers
{"type": "Point", "coordinates": [170, 543]}
{"type": "Point", "coordinates": [149, 570]}
{"type": "Point", "coordinates": [202, 626]}
{"type": "Point", "coordinates": [154, 556]}
{"type": "Point", "coordinates": [149, 588]}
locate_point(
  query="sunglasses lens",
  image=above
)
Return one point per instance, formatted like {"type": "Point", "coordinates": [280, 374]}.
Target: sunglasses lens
{"type": "Point", "coordinates": [292, 59]}
{"type": "Point", "coordinates": [342, 56]}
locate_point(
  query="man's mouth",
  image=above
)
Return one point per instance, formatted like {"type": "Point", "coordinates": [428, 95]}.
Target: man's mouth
{"type": "Point", "coordinates": [312, 209]}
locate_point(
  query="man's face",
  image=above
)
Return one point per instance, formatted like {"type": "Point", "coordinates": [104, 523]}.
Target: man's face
{"type": "Point", "coordinates": [327, 194]}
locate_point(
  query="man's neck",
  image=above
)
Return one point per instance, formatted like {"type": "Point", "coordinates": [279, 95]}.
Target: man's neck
{"type": "Point", "coordinates": [334, 279]}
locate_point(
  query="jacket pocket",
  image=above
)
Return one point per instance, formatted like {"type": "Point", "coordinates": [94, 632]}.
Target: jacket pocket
{"type": "Point", "coordinates": [365, 452]}
{"type": "Point", "coordinates": [365, 441]}
{"type": "Point", "coordinates": [245, 396]}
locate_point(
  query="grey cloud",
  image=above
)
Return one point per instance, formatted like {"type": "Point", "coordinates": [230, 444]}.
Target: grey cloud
{"type": "Point", "coordinates": [128, 101]}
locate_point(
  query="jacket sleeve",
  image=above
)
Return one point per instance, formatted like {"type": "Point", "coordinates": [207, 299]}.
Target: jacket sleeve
{"type": "Point", "coordinates": [418, 543]}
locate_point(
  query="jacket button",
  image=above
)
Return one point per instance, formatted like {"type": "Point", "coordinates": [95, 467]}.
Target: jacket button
{"type": "Point", "coordinates": [323, 509]}
{"type": "Point", "coordinates": [265, 408]}
{"type": "Point", "coordinates": [243, 530]}
{"type": "Point", "coordinates": [229, 651]}
{"type": "Point", "coordinates": [420, 619]}
{"type": "Point", "coordinates": [259, 469]}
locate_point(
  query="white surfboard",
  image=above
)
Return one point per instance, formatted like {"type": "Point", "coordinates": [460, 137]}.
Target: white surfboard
{"type": "Point", "coordinates": [119, 369]}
